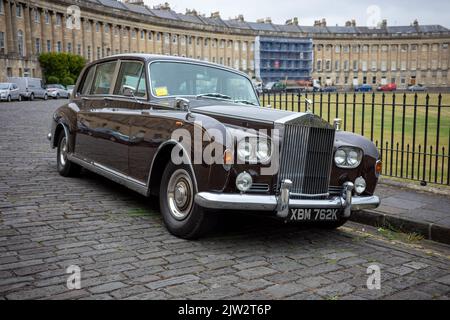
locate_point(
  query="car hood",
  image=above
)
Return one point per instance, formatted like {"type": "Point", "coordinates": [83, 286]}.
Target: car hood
{"type": "Point", "coordinates": [246, 113]}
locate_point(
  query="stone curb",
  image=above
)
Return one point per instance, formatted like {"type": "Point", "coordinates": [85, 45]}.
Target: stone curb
{"type": "Point", "coordinates": [428, 230]}
{"type": "Point", "coordinates": [432, 188]}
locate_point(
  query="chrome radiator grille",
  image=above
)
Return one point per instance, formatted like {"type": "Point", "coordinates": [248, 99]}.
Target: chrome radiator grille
{"type": "Point", "coordinates": [306, 159]}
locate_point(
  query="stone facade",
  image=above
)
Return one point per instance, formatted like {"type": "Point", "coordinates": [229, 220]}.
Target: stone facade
{"type": "Point", "coordinates": [342, 55]}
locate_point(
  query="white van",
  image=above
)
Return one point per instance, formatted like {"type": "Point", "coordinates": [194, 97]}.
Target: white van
{"type": "Point", "coordinates": [30, 88]}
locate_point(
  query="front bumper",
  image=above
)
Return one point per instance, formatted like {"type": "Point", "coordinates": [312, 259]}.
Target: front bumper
{"type": "Point", "coordinates": [282, 203]}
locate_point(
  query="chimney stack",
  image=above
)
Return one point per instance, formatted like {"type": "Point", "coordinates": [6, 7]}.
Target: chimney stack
{"type": "Point", "coordinates": [293, 21]}
{"type": "Point", "coordinates": [215, 14]}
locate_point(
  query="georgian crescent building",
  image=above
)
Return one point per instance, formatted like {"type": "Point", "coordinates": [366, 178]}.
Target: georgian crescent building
{"type": "Point", "coordinates": [340, 55]}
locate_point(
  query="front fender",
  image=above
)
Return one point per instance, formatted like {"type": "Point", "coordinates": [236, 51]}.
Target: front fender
{"type": "Point", "coordinates": [367, 167]}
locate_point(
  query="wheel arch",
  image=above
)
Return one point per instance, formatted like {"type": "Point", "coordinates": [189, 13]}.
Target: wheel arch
{"type": "Point", "coordinates": [159, 162]}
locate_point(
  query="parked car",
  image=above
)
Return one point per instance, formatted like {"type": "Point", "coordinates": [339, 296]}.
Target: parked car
{"type": "Point", "coordinates": [328, 89]}
{"type": "Point", "coordinates": [142, 121]}
{"type": "Point", "coordinates": [274, 87]}
{"type": "Point", "coordinates": [70, 89]}
{"type": "Point", "coordinates": [387, 87]}
{"type": "Point", "coordinates": [9, 91]}
{"type": "Point", "coordinates": [363, 88]}
{"type": "Point", "coordinates": [30, 88]}
{"type": "Point", "coordinates": [417, 87]}
{"type": "Point", "coordinates": [57, 91]}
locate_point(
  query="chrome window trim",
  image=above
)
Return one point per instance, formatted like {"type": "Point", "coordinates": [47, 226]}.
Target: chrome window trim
{"type": "Point", "coordinates": [199, 63]}
{"type": "Point", "coordinates": [143, 73]}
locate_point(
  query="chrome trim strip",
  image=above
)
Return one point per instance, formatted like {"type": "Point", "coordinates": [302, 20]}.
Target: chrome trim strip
{"type": "Point", "coordinates": [254, 202]}
{"type": "Point", "coordinates": [111, 174]}
{"type": "Point", "coordinates": [206, 113]}
{"type": "Point", "coordinates": [310, 195]}
{"type": "Point", "coordinates": [290, 117]}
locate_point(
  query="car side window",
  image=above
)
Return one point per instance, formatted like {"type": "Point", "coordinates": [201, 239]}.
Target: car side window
{"type": "Point", "coordinates": [103, 78]}
{"type": "Point", "coordinates": [87, 81]}
{"type": "Point", "coordinates": [131, 76]}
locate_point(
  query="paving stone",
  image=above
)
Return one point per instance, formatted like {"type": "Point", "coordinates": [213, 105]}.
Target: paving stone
{"type": "Point", "coordinates": [400, 270]}
{"type": "Point", "coordinates": [171, 281]}
{"type": "Point", "coordinates": [335, 289]}
{"type": "Point", "coordinates": [252, 285]}
{"type": "Point", "coordinates": [107, 287]}
{"type": "Point", "coordinates": [444, 280]}
{"type": "Point", "coordinates": [416, 265]}
{"type": "Point", "coordinates": [279, 291]}
{"type": "Point", "coordinates": [256, 272]}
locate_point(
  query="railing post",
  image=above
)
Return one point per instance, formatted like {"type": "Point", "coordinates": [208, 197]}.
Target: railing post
{"type": "Point", "coordinates": [427, 101]}
{"type": "Point", "coordinates": [403, 134]}
{"type": "Point", "coordinates": [414, 137]}
{"type": "Point", "coordinates": [438, 127]}
{"type": "Point", "coordinates": [392, 131]}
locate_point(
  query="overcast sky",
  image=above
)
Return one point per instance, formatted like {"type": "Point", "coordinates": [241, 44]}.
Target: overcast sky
{"type": "Point", "coordinates": [366, 13]}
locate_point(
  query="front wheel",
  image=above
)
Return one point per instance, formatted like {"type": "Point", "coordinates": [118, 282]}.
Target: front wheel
{"type": "Point", "coordinates": [65, 167]}
{"type": "Point", "coordinates": [182, 216]}
{"type": "Point", "coordinates": [32, 97]}
{"type": "Point", "coordinates": [20, 98]}
{"type": "Point", "coordinates": [45, 96]}
{"type": "Point", "coordinates": [9, 99]}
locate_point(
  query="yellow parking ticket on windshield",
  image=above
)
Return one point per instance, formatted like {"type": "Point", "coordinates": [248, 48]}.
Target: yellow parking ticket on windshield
{"type": "Point", "coordinates": [161, 91]}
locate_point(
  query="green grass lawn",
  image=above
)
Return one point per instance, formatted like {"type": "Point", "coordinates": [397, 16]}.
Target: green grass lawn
{"type": "Point", "coordinates": [392, 125]}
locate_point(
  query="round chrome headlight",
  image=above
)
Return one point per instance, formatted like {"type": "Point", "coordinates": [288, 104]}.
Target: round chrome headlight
{"type": "Point", "coordinates": [253, 150]}
{"type": "Point", "coordinates": [263, 150]}
{"type": "Point", "coordinates": [348, 157]}
{"type": "Point", "coordinates": [340, 156]}
{"type": "Point", "coordinates": [360, 185]}
{"type": "Point", "coordinates": [352, 157]}
{"type": "Point", "coordinates": [244, 181]}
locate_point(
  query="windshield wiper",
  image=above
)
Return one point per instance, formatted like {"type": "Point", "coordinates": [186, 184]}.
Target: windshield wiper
{"type": "Point", "coordinates": [214, 95]}
{"type": "Point", "coordinates": [245, 102]}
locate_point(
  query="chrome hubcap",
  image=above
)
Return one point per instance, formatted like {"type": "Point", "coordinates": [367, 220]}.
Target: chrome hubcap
{"type": "Point", "coordinates": [63, 152]}
{"type": "Point", "coordinates": [180, 194]}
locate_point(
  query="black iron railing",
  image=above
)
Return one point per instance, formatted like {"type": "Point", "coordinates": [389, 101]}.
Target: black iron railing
{"type": "Point", "coordinates": [411, 130]}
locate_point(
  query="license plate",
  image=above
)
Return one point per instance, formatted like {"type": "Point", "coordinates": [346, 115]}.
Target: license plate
{"type": "Point", "coordinates": [298, 214]}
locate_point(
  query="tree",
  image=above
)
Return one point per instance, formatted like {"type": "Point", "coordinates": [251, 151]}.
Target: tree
{"type": "Point", "coordinates": [64, 66]}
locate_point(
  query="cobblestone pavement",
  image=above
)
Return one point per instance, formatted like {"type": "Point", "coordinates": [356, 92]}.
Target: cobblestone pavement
{"type": "Point", "coordinates": [117, 238]}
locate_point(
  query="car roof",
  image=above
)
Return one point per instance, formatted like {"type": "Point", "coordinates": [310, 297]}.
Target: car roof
{"type": "Point", "coordinates": [158, 57]}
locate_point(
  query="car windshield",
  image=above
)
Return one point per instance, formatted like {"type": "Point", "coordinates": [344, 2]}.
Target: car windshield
{"type": "Point", "coordinates": [4, 86]}
{"type": "Point", "coordinates": [70, 86]}
{"type": "Point", "coordinates": [170, 79]}
{"type": "Point", "coordinates": [52, 86]}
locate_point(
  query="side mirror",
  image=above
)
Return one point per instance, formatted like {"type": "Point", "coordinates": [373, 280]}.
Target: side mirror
{"type": "Point", "coordinates": [183, 104]}
{"type": "Point", "coordinates": [128, 90]}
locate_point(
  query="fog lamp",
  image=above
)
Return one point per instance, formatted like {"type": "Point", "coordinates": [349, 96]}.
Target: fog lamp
{"type": "Point", "coordinates": [244, 181]}
{"type": "Point", "coordinates": [360, 185]}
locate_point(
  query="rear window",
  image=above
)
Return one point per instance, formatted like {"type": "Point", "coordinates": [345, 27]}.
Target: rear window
{"type": "Point", "coordinates": [84, 88]}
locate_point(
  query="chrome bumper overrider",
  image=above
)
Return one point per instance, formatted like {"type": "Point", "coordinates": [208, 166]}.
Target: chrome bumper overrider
{"type": "Point", "coordinates": [282, 203]}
